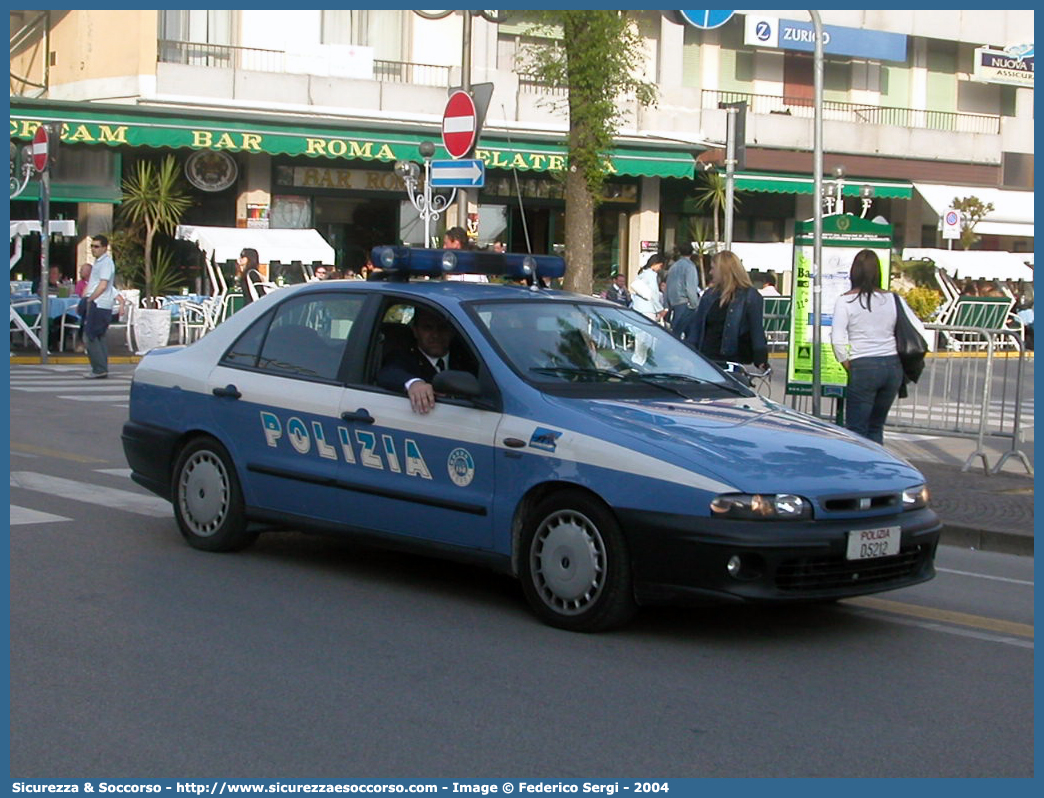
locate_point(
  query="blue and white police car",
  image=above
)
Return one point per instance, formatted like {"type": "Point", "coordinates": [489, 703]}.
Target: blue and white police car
{"type": "Point", "coordinates": [572, 443]}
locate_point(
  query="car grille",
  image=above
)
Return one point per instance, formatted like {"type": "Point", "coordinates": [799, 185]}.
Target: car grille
{"type": "Point", "coordinates": [830, 573]}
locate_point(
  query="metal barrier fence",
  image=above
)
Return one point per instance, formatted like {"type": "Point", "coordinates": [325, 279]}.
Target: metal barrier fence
{"type": "Point", "coordinates": [966, 394]}
{"type": "Point", "coordinates": [970, 388]}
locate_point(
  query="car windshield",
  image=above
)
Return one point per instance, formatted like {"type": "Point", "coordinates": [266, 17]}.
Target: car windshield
{"type": "Point", "coordinates": [556, 341]}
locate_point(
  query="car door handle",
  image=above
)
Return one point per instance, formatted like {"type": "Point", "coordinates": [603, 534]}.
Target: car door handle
{"type": "Point", "coordinates": [231, 391]}
{"type": "Point", "coordinates": [362, 415]}
{"type": "Point", "coordinates": [514, 443]}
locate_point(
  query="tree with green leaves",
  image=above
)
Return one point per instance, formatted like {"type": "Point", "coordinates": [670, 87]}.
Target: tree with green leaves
{"type": "Point", "coordinates": [155, 198]}
{"type": "Point", "coordinates": [972, 211]}
{"type": "Point", "coordinates": [595, 56]}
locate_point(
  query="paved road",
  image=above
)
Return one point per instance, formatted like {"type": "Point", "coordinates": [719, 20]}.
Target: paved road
{"type": "Point", "coordinates": [134, 655]}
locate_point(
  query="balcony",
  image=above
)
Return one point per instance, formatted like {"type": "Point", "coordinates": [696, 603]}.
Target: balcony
{"type": "Point", "coordinates": [802, 107]}
{"type": "Point", "coordinates": [254, 59]}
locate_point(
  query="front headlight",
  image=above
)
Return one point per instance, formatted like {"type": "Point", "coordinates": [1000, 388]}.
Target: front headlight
{"type": "Point", "coordinates": [915, 498]}
{"type": "Point", "coordinates": [761, 506]}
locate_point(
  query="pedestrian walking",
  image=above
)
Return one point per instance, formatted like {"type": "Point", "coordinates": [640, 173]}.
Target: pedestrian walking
{"type": "Point", "coordinates": [683, 291]}
{"type": "Point", "coordinates": [728, 324]}
{"type": "Point", "coordinates": [862, 333]}
{"type": "Point", "coordinates": [247, 262]}
{"type": "Point", "coordinates": [645, 289]}
{"type": "Point", "coordinates": [96, 307]}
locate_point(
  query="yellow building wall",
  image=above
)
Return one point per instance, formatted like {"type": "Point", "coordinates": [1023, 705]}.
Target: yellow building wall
{"type": "Point", "coordinates": [87, 45]}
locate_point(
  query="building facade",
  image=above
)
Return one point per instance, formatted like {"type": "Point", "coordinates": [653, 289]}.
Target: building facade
{"type": "Point", "coordinates": [296, 119]}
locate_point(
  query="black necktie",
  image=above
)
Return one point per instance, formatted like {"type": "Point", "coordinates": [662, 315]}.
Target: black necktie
{"type": "Point", "coordinates": [440, 365]}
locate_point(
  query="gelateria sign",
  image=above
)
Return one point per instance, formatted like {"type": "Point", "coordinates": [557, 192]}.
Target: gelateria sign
{"type": "Point", "coordinates": [121, 129]}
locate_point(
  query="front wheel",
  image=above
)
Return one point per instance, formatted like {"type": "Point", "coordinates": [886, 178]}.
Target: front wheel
{"type": "Point", "coordinates": [208, 502]}
{"type": "Point", "coordinates": [576, 574]}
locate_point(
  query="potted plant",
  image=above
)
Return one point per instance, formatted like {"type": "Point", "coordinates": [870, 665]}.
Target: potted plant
{"type": "Point", "coordinates": [154, 200]}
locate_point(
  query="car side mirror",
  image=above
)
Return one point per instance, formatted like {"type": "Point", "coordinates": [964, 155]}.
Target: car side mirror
{"type": "Point", "coordinates": [457, 383]}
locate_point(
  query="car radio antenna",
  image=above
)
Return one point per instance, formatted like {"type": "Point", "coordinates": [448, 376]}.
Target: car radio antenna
{"type": "Point", "coordinates": [518, 188]}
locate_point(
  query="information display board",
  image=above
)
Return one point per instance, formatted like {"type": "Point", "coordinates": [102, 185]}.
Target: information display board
{"type": "Point", "coordinates": [843, 237]}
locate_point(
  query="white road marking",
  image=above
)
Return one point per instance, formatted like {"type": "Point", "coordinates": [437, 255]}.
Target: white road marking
{"type": "Point", "coordinates": [116, 472]}
{"type": "Point", "coordinates": [985, 576]}
{"type": "Point", "coordinates": [23, 515]}
{"type": "Point", "coordinates": [109, 397]}
{"type": "Point", "coordinates": [933, 626]}
{"type": "Point", "coordinates": [114, 498]}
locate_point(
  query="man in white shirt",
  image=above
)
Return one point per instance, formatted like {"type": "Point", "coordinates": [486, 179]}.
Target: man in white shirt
{"type": "Point", "coordinates": [769, 288]}
{"type": "Point", "coordinates": [98, 301]}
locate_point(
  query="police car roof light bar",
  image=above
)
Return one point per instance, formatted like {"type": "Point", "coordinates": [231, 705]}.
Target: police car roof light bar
{"type": "Point", "coordinates": [405, 262]}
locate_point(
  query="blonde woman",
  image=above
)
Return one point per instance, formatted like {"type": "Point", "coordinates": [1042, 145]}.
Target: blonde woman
{"type": "Point", "coordinates": [729, 321]}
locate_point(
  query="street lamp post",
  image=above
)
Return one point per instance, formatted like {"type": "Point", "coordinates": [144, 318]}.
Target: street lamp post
{"type": "Point", "coordinates": [817, 218]}
{"type": "Point", "coordinates": [429, 206]}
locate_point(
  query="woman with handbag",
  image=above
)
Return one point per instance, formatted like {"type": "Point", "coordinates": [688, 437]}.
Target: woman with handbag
{"type": "Point", "coordinates": [863, 334]}
{"type": "Point", "coordinates": [729, 322]}
{"type": "Point", "coordinates": [645, 289]}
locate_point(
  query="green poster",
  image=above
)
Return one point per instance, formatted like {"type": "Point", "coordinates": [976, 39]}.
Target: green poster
{"type": "Point", "coordinates": [843, 237]}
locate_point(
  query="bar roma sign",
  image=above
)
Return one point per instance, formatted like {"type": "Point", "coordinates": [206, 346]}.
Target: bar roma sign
{"type": "Point", "coordinates": [116, 128]}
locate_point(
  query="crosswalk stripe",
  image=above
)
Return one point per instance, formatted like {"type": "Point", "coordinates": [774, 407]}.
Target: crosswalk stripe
{"type": "Point", "coordinates": [23, 515]}
{"type": "Point", "coordinates": [81, 386]}
{"type": "Point", "coordinates": [109, 397]}
{"type": "Point", "coordinates": [92, 494]}
{"type": "Point", "coordinates": [63, 381]}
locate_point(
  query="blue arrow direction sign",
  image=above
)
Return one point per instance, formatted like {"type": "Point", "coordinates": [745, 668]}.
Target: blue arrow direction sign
{"type": "Point", "coordinates": [458, 174]}
{"type": "Point", "coordinates": [706, 19]}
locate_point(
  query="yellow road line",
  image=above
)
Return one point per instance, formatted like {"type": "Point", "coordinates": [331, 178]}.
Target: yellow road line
{"type": "Point", "coordinates": [946, 616]}
{"type": "Point", "coordinates": [27, 448]}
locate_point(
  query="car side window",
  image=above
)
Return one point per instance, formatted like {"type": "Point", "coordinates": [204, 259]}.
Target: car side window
{"type": "Point", "coordinates": [247, 346]}
{"type": "Point", "coordinates": [305, 337]}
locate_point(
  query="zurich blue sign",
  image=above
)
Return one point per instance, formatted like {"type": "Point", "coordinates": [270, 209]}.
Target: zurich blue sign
{"type": "Point", "coordinates": [788, 34]}
{"type": "Point", "coordinates": [706, 19]}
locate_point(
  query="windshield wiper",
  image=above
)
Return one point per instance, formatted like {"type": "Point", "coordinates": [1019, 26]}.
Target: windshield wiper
{"type": "Point", "coordinates": [573, 371]}
{"type": "Point", "coordinates": [659, 379]}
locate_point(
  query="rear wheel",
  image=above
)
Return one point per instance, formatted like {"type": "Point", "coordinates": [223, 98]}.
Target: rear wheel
{"type": "Point", "coordinates": [208, 502]}
{"type": "Point", "coordinates": [576, 574]}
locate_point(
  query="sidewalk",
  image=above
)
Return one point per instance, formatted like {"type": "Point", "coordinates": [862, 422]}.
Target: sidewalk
{"type": "Point", "coordinates": [992, 513]}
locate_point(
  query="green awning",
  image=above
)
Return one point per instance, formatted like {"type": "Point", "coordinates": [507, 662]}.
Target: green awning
{"type": "Point", "coordinates": [115, 126]}
{"type": "Point", "coordinates": [803, 184]}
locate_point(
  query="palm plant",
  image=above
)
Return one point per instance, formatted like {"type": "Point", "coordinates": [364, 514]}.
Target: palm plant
{"type": "Point", "coordinates": [700, 236]}
{"type": "Point", "coordinates": [155, 198]}
{"type": "Point", "coordinates": [712, 196]}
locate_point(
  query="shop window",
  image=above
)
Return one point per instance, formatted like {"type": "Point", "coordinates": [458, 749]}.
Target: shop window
{"type": "Point", "coordinates": [293, 212]}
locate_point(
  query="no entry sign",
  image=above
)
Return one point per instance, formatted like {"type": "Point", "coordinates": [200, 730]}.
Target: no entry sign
{"type": "Point", "coordinates": [459, 124]}
{"type": "Point", "coordinates": [39, 148]}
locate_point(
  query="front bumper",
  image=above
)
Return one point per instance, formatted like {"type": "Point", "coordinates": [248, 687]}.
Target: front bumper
{"type": "Point", "coordinates": [683, 560]}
